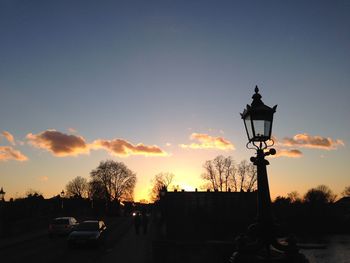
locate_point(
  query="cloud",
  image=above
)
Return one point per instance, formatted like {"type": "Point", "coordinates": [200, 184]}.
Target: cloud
{"type": "Point", "coordinates": [62, 145]}
{"type": "Point", "coordinates": [43, 178]}
{"type": "Point", "coordinates": [9, 137]}
{"type": "Point", "coordinates": [72, 130]}
{"type": "Point", "coordinates": [208, 142]}
{"type": "Point", "coordinates": [307, 141]}
{"type": "Point", "coordinates": [59, 144]}
{"type": "Point", "coordinates": [8, 153]}
{"type": "Point", "coordinates": [120, 147]}
{"type": "Point", "coordinates": [294, 153]}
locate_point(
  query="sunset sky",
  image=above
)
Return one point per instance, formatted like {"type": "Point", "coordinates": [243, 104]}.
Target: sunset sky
{"type": "Point", "coordinates": [159, 85]}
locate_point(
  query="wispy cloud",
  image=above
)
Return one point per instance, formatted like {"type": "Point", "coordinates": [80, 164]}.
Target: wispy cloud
{"type": "Point", "coordinates": [43, 178]}
{"type": "Point", "coordinates": [120, 147]}
{"type": "Point", "coordinates": [58, 143]}
{"type": "Point", "coordinates": [293, 153]}
{"type": "Point", "coordinates": [9, 137]}
{"type": "Point", "coordinates": [72, 130]}
{"type": "Point", "coordinates": [8, 153]}
{"type": "Point", "coordinates": [308, 141]}
{"type": "Point", "coordinates": [304, 140]}
{"type": "Point", "coordinates": [206, 141]}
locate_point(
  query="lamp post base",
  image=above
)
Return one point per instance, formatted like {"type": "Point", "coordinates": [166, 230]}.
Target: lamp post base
{"type": "Point", "coordinates": [274, 256]}
{"type": "Point", "coordinates": [260, 245]}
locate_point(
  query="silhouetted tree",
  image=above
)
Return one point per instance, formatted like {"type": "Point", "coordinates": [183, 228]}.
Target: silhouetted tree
{"type": "Point", "coordinates": [318, 209]}
{"type": "Point", "coordinates": [230, 174]}
{"type": "Point", "coordinates": [247, 176]}
{"type": "Point", "coordinates": [294, 197]}
{"type": "Point", "coordinates": [96, 190]}
{"type": "Point", "coordinates": [78, 187]}
{"type": "Point", "coordinates": [282, 201]}
{"type": "Point", "coordinates": [222, 174]}
{"type": "Point", "coordinates": [117, 180]}
{"type": "Point", "coordinates": [322, 194]}
{"type": "Point", "coordinates": [34, 194]}
{"type": "Point", "coordinates": [160, 181]}
{"type": "Point", "coordinates": [346, 192]}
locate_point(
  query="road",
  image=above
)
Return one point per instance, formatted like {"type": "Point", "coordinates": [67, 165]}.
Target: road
{"type": "Point", "coordinates": [131, 248]}
{"type": "Point", "coordinates": [45, 249]}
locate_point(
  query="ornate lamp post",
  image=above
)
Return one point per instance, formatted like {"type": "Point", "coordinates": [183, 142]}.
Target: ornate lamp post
{"type": "Point", "coordinates": [257, 244]}
{"type": "Point", "coordinates": [258, 120]}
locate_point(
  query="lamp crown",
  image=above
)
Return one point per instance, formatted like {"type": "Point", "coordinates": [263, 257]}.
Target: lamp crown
{"type": "Point", "coordinates": [256, 97]}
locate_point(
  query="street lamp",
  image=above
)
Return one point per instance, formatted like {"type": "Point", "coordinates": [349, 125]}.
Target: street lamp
{"type": "Point", "coordinates": [258, 120]}
{"type": "Point", "coordinates": [62, 196]}
{"type": "Point", "coordinates": [255, 246]}
{"type": "Point", "coordinates": [2, 194]}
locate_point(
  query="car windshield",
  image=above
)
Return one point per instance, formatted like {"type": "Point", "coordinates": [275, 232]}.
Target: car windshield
{"type": "Point", "coordinates": [61, 221]}
{"type": "Point", "coordinates": [88, 226]}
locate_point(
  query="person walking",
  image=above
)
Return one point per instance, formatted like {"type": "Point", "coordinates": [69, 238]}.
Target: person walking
{"type": "Point", "coordinates": [144, 222]}
{"type": "Point", "coordinates": [137, 222]}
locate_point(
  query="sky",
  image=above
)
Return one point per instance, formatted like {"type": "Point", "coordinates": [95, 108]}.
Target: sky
{"type": "Point", "coordinates": [159, 85]}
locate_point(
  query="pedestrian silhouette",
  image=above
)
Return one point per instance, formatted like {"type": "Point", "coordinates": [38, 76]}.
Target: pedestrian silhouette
{"type": "Point", "coordinates": [144, 222]}
{"type": "Point", "coordinates": [137, 222]}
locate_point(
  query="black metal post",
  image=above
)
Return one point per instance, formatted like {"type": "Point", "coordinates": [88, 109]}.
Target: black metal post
{"type": "Point", "coordinates": [255, 246]}
{"type": "Point", "coordinates": [264, 214]}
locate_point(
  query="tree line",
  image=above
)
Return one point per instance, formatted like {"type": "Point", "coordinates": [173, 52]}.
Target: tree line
{"type": "Point", "coordinates": [114, 181]}
{"type": "Point", "coordinates": [321, 195]}
{"type": "Point", "coordinates": [223, 174]}
{"type": "Point", "coordinates": [220, 174]}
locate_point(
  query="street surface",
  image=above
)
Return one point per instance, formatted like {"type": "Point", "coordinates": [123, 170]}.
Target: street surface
{"type": "Point", "coordinates": [131, 248]}
{"type": "Point", "coordinates": [122, 245]}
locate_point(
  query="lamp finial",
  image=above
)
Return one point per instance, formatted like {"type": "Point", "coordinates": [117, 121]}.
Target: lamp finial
{"type": "Point", "coordinates": [256, 97]}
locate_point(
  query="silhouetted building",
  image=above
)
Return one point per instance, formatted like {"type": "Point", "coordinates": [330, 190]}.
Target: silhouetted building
{"type": "Point", "coordinates": [206, 215]}
{"type": "Point", "coordinates": [343, 204]}
{"type": "Point", "coordinates": [342, 210]}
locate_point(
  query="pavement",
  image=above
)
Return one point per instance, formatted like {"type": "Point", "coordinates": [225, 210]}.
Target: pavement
{"type": "Point", "coordinates": [18, 239]}
{"type": "Point", "coordinates": [131, 248]}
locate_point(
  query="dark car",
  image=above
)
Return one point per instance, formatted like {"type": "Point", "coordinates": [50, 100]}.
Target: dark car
{"type": "Point", "coordinates": [62, 226]}
{"type": "Point", "coordinates": [91, 232]}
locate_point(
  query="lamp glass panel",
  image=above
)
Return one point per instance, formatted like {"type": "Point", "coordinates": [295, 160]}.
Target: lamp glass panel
{"type": "Point", "coordinates": [248, 125]}
{"type": "Point", "coordinates": [262, 128]}
{"type": "Point", "coordinates": [267, 128]}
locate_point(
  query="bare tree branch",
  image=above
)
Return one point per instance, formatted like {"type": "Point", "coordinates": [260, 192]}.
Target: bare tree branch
{"type": "Point", "coordinates": [116, 179]}
{"type": "Point", "coordinates": [160, 181]}
{"type": "Point", "coordinates": [78, 187]}
{"type": "Point", "coordinates": [222, 174]}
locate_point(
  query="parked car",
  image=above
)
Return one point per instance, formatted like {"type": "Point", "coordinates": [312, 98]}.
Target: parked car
{"type": "Point", "coordinates": [62, 226]}
{"type": "Point", "coordinates": [91, 232]}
